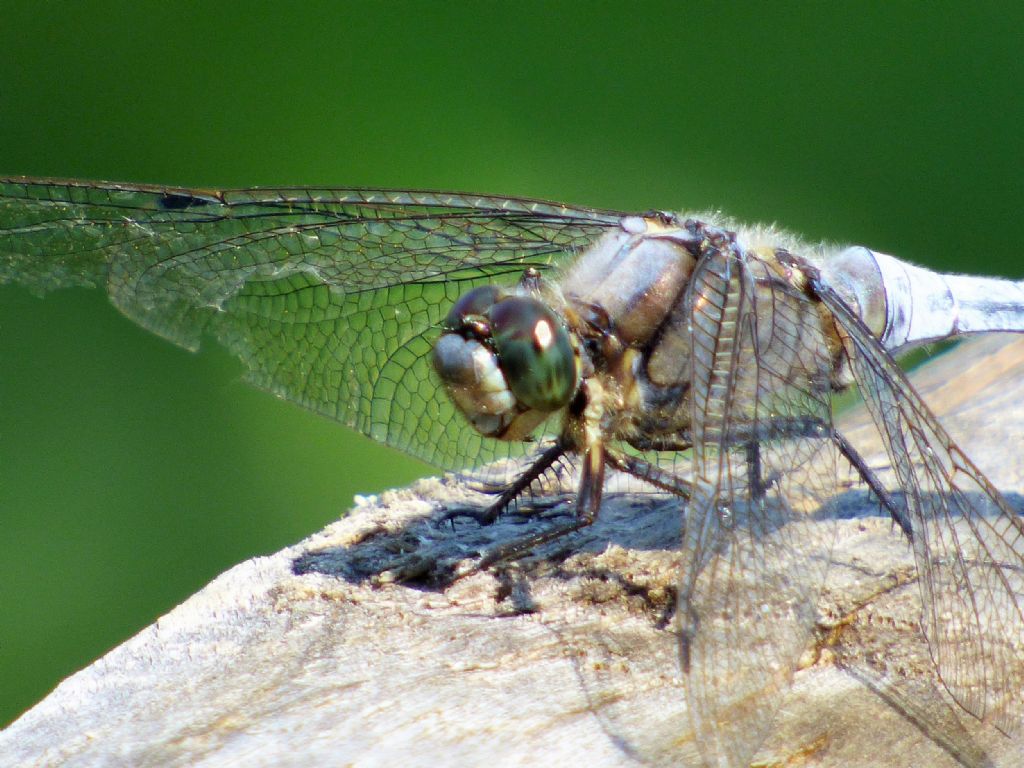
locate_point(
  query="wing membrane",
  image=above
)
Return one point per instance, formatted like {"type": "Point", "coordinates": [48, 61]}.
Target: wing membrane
{"type": "Point", "coordinates": [968, 543]}
{"type": "Point", "coordinates": [329, 297]}
{"type": "Point", "coordinates": [765, 465]}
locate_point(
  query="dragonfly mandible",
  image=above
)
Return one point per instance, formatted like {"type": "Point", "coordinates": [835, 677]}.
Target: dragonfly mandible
{"type": "Point", "coordinates": [695, 355]}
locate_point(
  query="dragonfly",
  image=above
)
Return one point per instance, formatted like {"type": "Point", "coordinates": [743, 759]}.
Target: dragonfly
{"type": "Point", "coordinates": [693, 355]}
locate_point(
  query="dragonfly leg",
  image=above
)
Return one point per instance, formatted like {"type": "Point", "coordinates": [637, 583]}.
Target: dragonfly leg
{"type": "Point", "coordinates": [588, 499]}
{"type": "Point", "coordinates": [667, 481]}
{"type": "Point", "coordinates": [588, 503]}
{"type": "Point", "coordinates": [649, 473]}
{"type": "Point", "coordinates": [512, 492]}
{"type": "Point", "coordinates": [898, 513]}
{"type": "Point", "coordinates": [812, 427]}
{"type": "Point", "coordinates": [662, 444]}
{"type": "Point", "coordinates": [758, 485]}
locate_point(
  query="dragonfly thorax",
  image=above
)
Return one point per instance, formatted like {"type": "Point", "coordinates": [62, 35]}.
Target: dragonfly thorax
{"type": "Point", "coordinates": [507, 361]}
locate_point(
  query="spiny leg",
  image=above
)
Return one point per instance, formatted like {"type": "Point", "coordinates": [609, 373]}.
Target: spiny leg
{"type": "Point", "coordinates": [751, 437]}
{"type": "Point", "coordinates": [649, 473]}
{"type": "Point", "coordinates": [811, 427]}
{"type": "Point", "coordinates": [897, 513]}
{"type": "Point", "coordinates": [756, 483]}
{"type": "Point", "coordinates": [487, 516]}
{"type": "Point", "coordinates": [588, 500]}
{"type": "Point", "coordinates": [588, 503]}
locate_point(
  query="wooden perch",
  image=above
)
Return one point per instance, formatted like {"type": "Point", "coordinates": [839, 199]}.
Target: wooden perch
{"type": "Point", "coordinates": [315, 656]}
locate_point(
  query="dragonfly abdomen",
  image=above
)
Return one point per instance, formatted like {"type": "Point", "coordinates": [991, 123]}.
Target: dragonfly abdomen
{"type": "Point", "coordinates": [905, 305]}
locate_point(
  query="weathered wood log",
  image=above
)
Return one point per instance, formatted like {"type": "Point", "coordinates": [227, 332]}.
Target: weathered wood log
{"type": "Point", "coordinates": [316, 656]}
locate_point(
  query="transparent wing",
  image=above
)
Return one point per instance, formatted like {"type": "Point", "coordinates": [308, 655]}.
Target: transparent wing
{"type": "Point", "coordinates": [756, 537]}
{"type": "Point", "coordinates": [968, 543]}
{"type": "Point", "coordinates": [331, 298]}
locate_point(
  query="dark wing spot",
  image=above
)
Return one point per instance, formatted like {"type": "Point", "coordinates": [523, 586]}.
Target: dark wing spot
{"type": "Point", "coordinates": [180, 201]}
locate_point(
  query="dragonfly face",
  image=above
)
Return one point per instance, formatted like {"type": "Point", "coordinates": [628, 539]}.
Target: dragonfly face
{"type": "Point", "coordinates": [509, 358]}
{"type": "Point", "coordinates": [506, 360]}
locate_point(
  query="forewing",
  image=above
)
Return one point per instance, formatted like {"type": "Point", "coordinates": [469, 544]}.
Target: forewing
{"type": "Point", "coordinates": [331, 298]}
{"type": "Point", "coordinates": [756, 538]}
{"type": "Point", "coordinates": [968, 543]}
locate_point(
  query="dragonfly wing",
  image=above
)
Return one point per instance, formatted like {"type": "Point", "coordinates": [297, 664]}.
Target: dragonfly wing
{"type": "Point", "coordinates": [757, 541]}
{"type": "Point", "coordinates": [331, 298]}
{"type": "Point", "coordinates": [968, 543]}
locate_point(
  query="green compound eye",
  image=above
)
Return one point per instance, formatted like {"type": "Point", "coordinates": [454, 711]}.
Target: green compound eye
{"type": "Point", "coordinates": [534, 353]}
{"type": "Point", "coordinates": [475, 303]}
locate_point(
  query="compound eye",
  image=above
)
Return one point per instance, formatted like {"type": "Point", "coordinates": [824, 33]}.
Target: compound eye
{"type": "Point", "coordinates": [473, 303]}
{"type": "Point", "coordinates": [534, 352]}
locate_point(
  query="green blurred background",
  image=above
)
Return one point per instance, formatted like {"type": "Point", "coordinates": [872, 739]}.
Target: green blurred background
{"type": "Point", "coordinates": [131, 472]}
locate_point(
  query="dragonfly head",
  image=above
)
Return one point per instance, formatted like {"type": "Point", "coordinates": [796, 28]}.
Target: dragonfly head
{"type": "Point", "coordinates": [506, 360]}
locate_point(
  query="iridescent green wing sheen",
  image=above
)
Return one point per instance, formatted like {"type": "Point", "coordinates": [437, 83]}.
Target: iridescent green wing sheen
{"type": "Point", "coordinates": [331, 298]}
